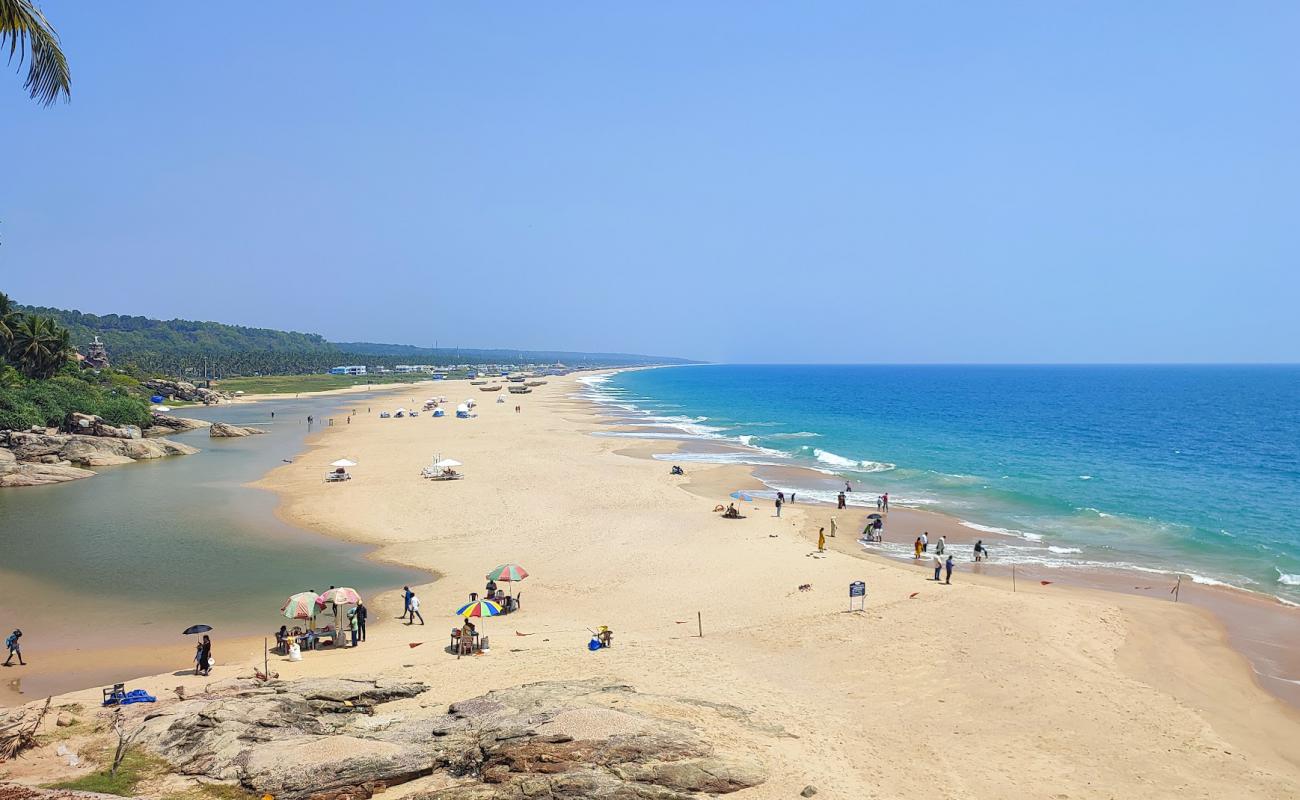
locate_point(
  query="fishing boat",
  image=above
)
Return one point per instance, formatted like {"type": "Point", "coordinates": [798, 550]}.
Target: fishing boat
{"type": "Point", "coordinates": [496, 388]}
{"type": "Point", "coordinates": [519, 389]}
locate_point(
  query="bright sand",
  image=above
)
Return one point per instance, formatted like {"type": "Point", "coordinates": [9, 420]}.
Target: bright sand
{"type": "Point", "coordinates": [966, 690]}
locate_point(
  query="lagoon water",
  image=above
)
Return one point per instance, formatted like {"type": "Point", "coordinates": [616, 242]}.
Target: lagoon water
{"type": "Point", "coordinates": [141, 551]}
{"type": "Point", "coordinates": [1191, 469]}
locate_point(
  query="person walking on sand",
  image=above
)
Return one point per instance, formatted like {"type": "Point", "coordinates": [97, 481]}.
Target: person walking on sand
{"type": "Point", "coordinates": [916, 546]}
{"type": "Point", "coordinates": [778, 507]}
{"type": "Point", "coordinates": [821, 540]}
{"type": "Point", "coordinates": [840, 501]}
{"type": "Point", "coordinates": [880, 501]}
{"type": "Point", "coordinates": [925, 541]}
{"type": "Point", "coordinates": [11, 644]}
{"type": "Point", "coordinates": [941, 546]}
{"type": "Point", "coordinates": [361, 620]}
{"type": "Point", "coordinates": [415, 610]}
{"type": "Point", "coordinates": [407, 594]}
{"type": "Point", "coordinates": [948, 566]}
{"type": "Point", "coordinates": [205, 655]}
{"type": "Point", "coordinates": [938, 567]}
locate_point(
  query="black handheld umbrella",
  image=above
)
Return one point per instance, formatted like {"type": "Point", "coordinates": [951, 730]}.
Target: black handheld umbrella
{"type": "Point", "coordinates": [196, 629]}
{"type": "Point", "coordinates": [873, 516]}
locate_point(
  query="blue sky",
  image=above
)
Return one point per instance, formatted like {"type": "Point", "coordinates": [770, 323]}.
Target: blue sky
{"type": "Point", "coordinates": [851, 182]}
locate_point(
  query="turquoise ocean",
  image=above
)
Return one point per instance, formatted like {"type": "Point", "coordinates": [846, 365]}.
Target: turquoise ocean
{"type": "Point", "coordinates": [1167, 469]}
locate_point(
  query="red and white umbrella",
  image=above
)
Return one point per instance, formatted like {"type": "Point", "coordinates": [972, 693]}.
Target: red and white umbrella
{"type": "Point", "coordinates": [342, 596]}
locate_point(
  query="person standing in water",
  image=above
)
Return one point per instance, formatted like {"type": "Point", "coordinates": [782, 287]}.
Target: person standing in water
{"type": "Point", "coordinates": [925, 541]}
{"type": "Point", "coordinates": [916, 546]}
{"type": "Point", "coordinates": [941, 545]}
{"type": "Point", "coordinates": [885, 498]}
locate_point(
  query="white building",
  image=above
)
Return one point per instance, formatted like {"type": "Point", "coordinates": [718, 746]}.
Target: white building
{"type": "Point", "coordinates": [355, 369]}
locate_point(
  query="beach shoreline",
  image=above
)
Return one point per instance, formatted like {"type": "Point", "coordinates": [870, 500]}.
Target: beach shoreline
{"type": "Point", "coordinates": [1128, 692]}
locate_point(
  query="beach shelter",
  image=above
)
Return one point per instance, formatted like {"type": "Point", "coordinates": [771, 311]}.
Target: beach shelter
{"type": "Point", "coordinates": [300, 606]}
{"type": "Point", "coordinates": [447, 463]}
{"type": "Point", "coordinates": [509, 574]}
{"type": "Point", "coordinates": [343, 462]}
{"type": "Point", "coordinates": [744, 496]}
{"type": "Point", "coordinates": [478, 608]}
{"type": "Point", "coordinates": [338, 596]}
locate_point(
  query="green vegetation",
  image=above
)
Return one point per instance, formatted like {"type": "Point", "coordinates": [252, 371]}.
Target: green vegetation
{"type": "Point", "coordinates": [136, 768]}
{"type": "Point", "coordinates": [281, 384]}
{"type": "Point", "coordinates": [24, 28]}
{"type": "Point", "coordinates": [40, 384]}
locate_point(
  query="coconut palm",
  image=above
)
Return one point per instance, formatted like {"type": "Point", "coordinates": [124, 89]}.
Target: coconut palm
{"type": "Point", "coordinates": [31, 37]}
{"type": "Point", "coordinates": [39, 346]}
{"type": "Point", "coordinates": [7, 321]}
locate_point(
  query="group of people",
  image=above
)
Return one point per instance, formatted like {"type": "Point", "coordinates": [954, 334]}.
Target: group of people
{"type": "Point", "coordinates": [410, 607]}
{"type": "Point", "coordinates": [203, 660]}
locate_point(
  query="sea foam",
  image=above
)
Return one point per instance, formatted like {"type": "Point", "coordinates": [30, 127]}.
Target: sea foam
{"type": "Point", "coordinates": [840, 462]}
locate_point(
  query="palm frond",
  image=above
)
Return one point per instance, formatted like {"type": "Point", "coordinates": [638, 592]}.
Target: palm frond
{"type": "Point", "coordinates": [32, 38]}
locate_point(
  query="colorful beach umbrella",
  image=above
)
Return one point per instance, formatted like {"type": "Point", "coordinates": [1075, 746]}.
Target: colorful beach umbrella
{"type": "Point", "coordinates": [300, 606]}
{"type": "Point", "coordinates": [508, 573]}
{"type": "Point", "coordinates": [744, 496]}
{"type": "Point", "coordinates": [479, 608]}
{"type": "Point", "coordinates": [341, 596]}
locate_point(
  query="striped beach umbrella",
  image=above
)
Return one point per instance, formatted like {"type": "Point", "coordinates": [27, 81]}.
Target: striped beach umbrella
{"type": "Point", "coordinates": [479, 608]}
{"type": "Point", "coordinates": [342, 596]}
{"type": "Point", "coordinates": [508, 573]}
{"type": "Point", "coordinates": [300, 606]}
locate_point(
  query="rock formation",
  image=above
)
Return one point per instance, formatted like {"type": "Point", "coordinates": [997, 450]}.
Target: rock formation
{"type": "Point", "coordinates": [16, 473]}
{"type": "Point", "coordinates": [188, 392]}
{"type": "Point", "coordinates": [165, 424]}
{"type": "Point", "coordinates": [223, 429]}
{"type": "Point", "coordinates": [91, 425]}
{"type": "Point", "coordinates": [333, 738]}
{"type": "Point", "coordinates": [28, 458]}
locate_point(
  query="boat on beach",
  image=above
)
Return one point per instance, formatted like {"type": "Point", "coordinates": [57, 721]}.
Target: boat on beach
{"type": "Point", "coordinates": [496, 388]}
{"type": "Point", "coordinates": [519, 389]}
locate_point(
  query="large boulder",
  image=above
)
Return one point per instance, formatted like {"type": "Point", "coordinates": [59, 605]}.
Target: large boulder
{"type": "Point", "coordinates": [166, 424]}
{"type": "Point", "coordinates": [225, 430]}
{"type": "Point", "coordinates": [334, 738]}
{"type": "Point", "coordinates": [183, 390]}
{"type": "Point", "coordinates": [34, 459]}
{"type": "Point", "coordinates": [18, 473]}
{"type": "Point", "coordinates": [91, 425]}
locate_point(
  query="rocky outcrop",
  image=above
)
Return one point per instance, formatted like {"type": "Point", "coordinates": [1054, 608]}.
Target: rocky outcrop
{"type": "Point", "coordinates": [16, 473]}
{"type": "Point", "coordinates": [18, 791]}
{"type": "Point", "coordinates": [165, 425]}
{"type": "Point", "coordinates": [28, 458]}
{"type": "Point", "coordinates": [91, 425]}
{"type": "Point", "coordinates": [334, 738]}
{"type": "Point", "coordinates": [223, 430]}
{"type": "Point", "coordinates": [180, 390]}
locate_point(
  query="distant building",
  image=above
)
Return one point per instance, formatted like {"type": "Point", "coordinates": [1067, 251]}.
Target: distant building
{"type": "Point", "coordinates": [405, 368]}
{"type": "Point", "coordinates": [96, 355]}
{"type": "Point", "coordinates": [350, 370]}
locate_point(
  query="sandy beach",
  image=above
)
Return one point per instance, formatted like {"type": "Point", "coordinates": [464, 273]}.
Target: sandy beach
{"type": "Point", "coordinates": [968, 690]}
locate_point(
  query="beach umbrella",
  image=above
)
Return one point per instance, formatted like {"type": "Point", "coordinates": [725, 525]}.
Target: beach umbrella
{"type": "Point", "coordinates": [196, 629]}
{"type": "Point", "coordinates": [508, 573]}
{"type": "Point", "coordinates": [341, 596]}
{"type": "Point", "coordinates": [300, 606]}
{"type": "Point", "coordinates": [447, 463]}
{"type": "Point", "coordinates": [745, 496]}
{"type": "Point", "coordinates": [479, 608]}
{"type": "Point", "coordinates": [343, 462]}
{"type": "Point", "coordinates": [873, 516]}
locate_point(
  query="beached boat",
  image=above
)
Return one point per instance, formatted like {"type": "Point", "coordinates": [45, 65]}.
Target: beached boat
{"type": "Point", "coordinates": [518, 389]}
{"type": "Point", "coordinates": [496, 388]}
{"type": "Point", "coordinates": [477, 383]}
{"type": "Point", "coordinates": [534, 383]}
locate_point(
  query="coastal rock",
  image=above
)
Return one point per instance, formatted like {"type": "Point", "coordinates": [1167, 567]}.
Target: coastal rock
{"type": "Point", "coordinates": [22, 474]}
{"type": "Point", "coordinates": [224, 430]}
{"type": "Point", "coordinates": [332, 738]}
{"type": "Point", "coordinates": [34, 459]}
{"type": "Point", "coordinates": [166, 424]}
{"type": "Point", "coordinates": [18, 791]}
{"type": "Point", "coordinates": [182, 390]}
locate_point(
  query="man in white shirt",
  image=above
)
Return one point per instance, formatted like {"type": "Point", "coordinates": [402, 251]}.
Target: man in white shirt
{"type": "Point", "coordinates": [415, 610]}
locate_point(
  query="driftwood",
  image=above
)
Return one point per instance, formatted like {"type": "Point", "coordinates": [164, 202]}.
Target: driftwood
{"type": "Point", "coordinates": [20, 734]}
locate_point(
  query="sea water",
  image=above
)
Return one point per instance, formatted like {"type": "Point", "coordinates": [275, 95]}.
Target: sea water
{"type": "Point", "coordinates": [1187, 469]}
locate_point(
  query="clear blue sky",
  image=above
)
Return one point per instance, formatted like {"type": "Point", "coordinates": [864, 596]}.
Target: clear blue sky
{"type": "Point", "coordinates": [1063, 181]}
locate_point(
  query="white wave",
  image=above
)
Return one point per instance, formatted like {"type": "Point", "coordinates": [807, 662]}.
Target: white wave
{"type": "Point", "coordinates": [746, 440]}
{"type": "Point", "coordinates": [750, 459]}
{"type": "Point", "coordinates": [840, 462]}
{"type": "Point", "coordinates": [1026, 535]}
{"type": "Point", "coordinates": [795, 435]}
{"type": "Point", "coordinates": [1085, 477]}
{"type": "Point", "coordinates": [1287, 578]}
{"type": "Point", "coordinates": [1063, 550]}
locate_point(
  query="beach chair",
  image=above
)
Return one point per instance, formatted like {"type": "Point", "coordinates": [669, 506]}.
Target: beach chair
{"type": "Point", "coordinates": [115, 695]}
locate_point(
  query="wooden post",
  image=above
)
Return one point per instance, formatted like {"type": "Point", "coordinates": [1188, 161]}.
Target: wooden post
{"type": "Point", "coordinates": [699, 620]}
{"type": "Point", "coordinates": [266, 660]}
{"type": "Point", "coordinates": [1177, 587]}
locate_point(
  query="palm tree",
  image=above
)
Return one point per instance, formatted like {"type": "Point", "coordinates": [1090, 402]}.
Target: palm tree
{"type": "Point", "coordinates": [39, 346]}
{"type": "Point", "coordinates": [8, 319]}
{"type": "Point", "coordinates": [29, 34]}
